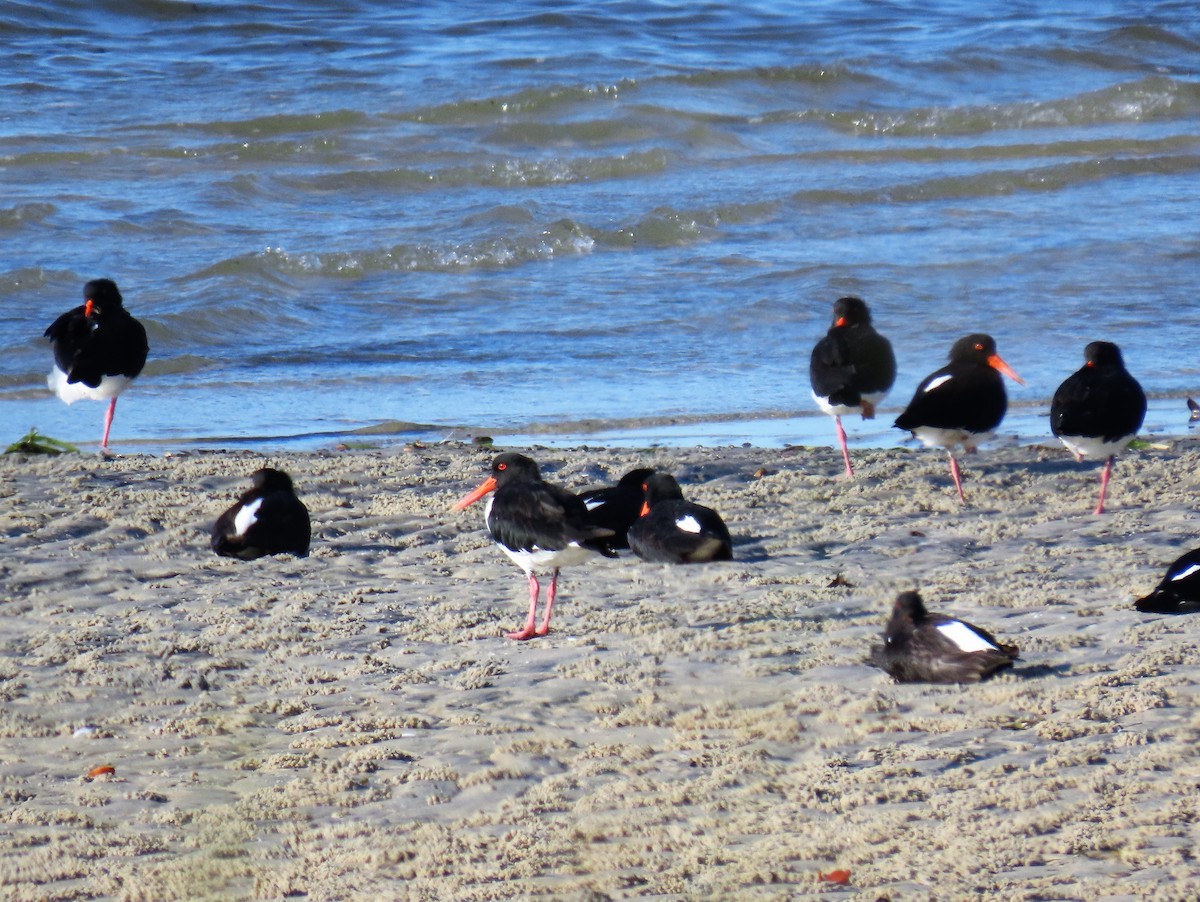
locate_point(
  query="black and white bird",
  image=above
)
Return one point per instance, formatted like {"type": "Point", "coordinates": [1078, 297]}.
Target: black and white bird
{"type": "Point", "coordinates": [672, 530]}
{"type": "Point", "coordinates": [921, 647]}
{"type": "Point", "coordinates": [268, 518]}
{"type": "Point", "coordinates": [963, 402]}
{"type": "Point", "coordinates": [617, 507]}
{"type": "Point", "coordinates": [98, 349]}
{"type": "Point", "coordinates": [1098, 409]}
{"type": "Point", "coordinates": [852, 368]}
{"type": "Point", "coordinates": [1179, 591]}
{"type": "Point", "coordinates": [540, 526]}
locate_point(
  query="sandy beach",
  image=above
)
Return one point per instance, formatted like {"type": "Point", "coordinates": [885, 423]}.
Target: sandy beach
{"type": "Point", "coordinates": [353, 726]}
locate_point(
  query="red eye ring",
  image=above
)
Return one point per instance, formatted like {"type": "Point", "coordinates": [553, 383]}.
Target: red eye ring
{"type": "Point", "coordinates": [501, 466]}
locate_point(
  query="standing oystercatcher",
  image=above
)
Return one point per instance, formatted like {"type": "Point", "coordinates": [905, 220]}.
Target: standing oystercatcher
{"type": "Point", "coordinates": [617, 507]}
{"type": "Point", "coordinates": [674, 531]}
{"type": "Point", "coordinates": [852, 367]}
{"type": "Point", "coordinates": [1098, 409]}
{"type": "Point", "coordinates": [920, 647]}
{"type": "Point", "coordinates": [963, 402]}
{"type": "Point", "coordinates": [268, 518]}
{"type": "Point", "coordinates": [1179, 591]}
{"type": "Point", "coordinates": [98, 349]}
{"type": "Point", "coordinates": [540, 526]}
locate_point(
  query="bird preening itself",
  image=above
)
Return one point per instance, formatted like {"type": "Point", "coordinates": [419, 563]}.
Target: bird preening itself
{"type": "Point", "coordinates": [1098, 409]}
{"type": "Point", "coordinates": [851, 368]}
{"type": "Point", "coordinates": [673, 530]}
{"type": "Point", "coordinates": [1179, 591]}
{"type": "Point", "coordinates": [922, 647]}
{"type": "Point", "coordinates": [98, 349]}
{"type": "Point", "coordinates": [268, 518]}
{"type": "Point", "coordinates": [963, 402]}
{"type": "Point", "coordinates": [540, 526]}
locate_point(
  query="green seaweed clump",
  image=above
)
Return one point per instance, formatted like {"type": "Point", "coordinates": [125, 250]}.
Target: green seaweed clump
{"type": "Point", "coordinates": [33, 442]}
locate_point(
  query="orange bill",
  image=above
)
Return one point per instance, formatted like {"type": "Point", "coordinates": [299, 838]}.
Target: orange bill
{"type": "Point", "coordinates": [997, 362]}
{"type": "Point", "coordinates": [488, 485]}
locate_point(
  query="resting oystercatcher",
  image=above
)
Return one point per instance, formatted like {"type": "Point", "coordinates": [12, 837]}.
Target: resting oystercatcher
{"type": "Point", "coordinates": [98, 349]}
{"type": "Point", "coordinates": [267, 519]}
{"type": "Point", "coordinates": [674, 531]}
{"type": "Point", "coordinates": [852, 367]}
{"type": "Point", "coordinates": [920, 647]}
{"type": "Point", "coordinates": [1098, 409]}
{"type": "Point", "coordinates": [616, 507]}
{"type": "Point", "coordinates": [1179, 591]}
{"type": "Point", "coordinates": [540, 526]}
{"type": "Point", "coordinates": [963, 402]}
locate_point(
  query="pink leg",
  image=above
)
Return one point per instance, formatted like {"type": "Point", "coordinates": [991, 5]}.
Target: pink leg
{"type": "Point", "coordinates": [1104, 484]}
{"type": "Point", "coordinates": [112, 406]}
{"type": "Point", "coordinates": [527, 631]}
{"type": "Point", "coordinates": [954, 471]}
{"type": "Point", "coordinates": [550, 593]}
{"type": "Point", "coordinates": [841, 434]}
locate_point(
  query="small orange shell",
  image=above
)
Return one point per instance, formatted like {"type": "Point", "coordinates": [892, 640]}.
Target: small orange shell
{"type": "Point", "coordinates": [839, 877]}
{"type": "Point", "coordinates": [101, 770]}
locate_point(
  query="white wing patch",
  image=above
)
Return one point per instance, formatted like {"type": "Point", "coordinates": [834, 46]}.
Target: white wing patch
{"type": "Point", "coordinates": [688, 523]}
{"type": "Point", "coordinates": [964, 637]}
{"type": "Point", "coordinates": [1184, 574]}
{"type": "Point", "coordinates": [592, 503]}
{"type": "Point", "coordinates": [938, 382]}
{"type": "Point", "coordinates": [247, 517]}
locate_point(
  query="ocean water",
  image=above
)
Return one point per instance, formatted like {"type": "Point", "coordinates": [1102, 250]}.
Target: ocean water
{"type": "Point", "coordinates": [607, 222]}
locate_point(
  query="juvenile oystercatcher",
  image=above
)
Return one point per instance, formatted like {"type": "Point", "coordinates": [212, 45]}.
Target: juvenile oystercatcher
{"type": "Point", "coordinates": [852, 367]}
{"type": "Point", "coordinates": [98, 349]}
{"type": "Point", "coordinates": [674, 531]}
{"type": "Point", "coordinates": [920, 647]}
{"type": "Point", "coordinates": [1179, 591]}
{"type": "Point", "coordinates": [268, 518]}
{"type": "Point", "coordinates": [540, 526]}
{"type": "Point", "coordinates": [1098, 409]}
{"type": "Point", "coordinates": [963, 402]}
{"type": "Point", "coordinates": [616, 507]}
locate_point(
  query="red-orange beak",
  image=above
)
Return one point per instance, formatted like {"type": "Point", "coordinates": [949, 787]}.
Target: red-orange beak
{"type": "Point", "coordinates": [88, 307]}
{"type": "Point", "coordinates": [645, 509]}
{"type": "Point", "coordinates": [841, 321]}
{"type": "Point", "coordinates": [997, 362]}
{"type": "Point", "coordinates": [488, 485]}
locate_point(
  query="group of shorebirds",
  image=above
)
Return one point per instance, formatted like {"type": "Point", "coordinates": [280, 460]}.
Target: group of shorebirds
{"type": "Point", "coordinates": [99, 348]}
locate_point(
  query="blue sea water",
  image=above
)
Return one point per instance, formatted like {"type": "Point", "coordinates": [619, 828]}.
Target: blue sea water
{"type": "Point", "coordinates": [614, 222]}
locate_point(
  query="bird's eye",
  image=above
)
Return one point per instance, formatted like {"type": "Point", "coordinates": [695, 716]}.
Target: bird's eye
{"type": "Point", "coordinates": [978, 347]}
{"type": "Point", "coordinates": [501, 466]}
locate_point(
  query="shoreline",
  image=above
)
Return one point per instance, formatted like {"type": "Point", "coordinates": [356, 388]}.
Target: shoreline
{"type": "Point", "coordinates": [352, 725]}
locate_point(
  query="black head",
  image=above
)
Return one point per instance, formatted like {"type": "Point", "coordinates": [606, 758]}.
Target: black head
{"type": "Point", "coordinates": [975, 346]}
{"type": "Point", "coordinates": [510, 465]}
{"type": "Point", "coordinates": [850, 311]}
{"type": "Point", "coordinates": [661, 487]}
{"type": "Point", "coordinates": [101, 294]}
{"type": "Point", "coordinates": [1102, 353]}
{"type": "Point", "coordinates": [908, 605]}
{"type": "Point", "coordinates": [634, 478]}
{"type": "Point", "coordinates": [270, 480]}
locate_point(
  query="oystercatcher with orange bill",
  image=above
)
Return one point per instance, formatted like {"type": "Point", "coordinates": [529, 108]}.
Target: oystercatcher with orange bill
{"type": "Point", "coordinates": [1098, 409]}
{"type": "Point", "coordinates": [922, 647]}
{"type": "Point", "coordinates": [1179, 591]}
{"type": "Point", "coordinates": [851, 368]}
{"type": "Point", "coordinates": [672, 530]}
{"type": "Point", "coordinates": [963, 402]}
{"type": "Point", "coordinates": [268, 518]}
{"type": "Point", "coordinates": [98, 349]}
{"type": "Point", "coordinates": [617, 507]}
{"type": "Point", "coordinates": [540, 526]}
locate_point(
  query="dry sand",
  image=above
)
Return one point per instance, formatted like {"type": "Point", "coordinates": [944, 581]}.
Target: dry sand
{"type": "Point", "coordinates": [352, 726]}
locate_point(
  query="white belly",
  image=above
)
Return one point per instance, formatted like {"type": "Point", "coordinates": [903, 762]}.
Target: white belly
{"type": "Point", "coordinates": [109, 387]}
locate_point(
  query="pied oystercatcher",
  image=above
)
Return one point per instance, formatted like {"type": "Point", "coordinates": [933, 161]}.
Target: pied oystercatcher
{"type": "Point", "coordinates": [921, 647]}
{"type": "Point", "coordinates": [98, 349]}
{"type": "Point", "coordinates": [540, 526]}
{"type": "Point", "coordinates": [674, 531]}
{"type": "Point", "coordinates": [852, 367]}
{"type": "Point", "coordinates": [1098, 409]}
{"type": "Point", "coordinates": [268, 518]}
{"type": "Point", "coordinates": [963, 402]}
{"type": "Point", "coordinates": [616, 507]}
{"type": "Point", "coordinates": [1179, 591]}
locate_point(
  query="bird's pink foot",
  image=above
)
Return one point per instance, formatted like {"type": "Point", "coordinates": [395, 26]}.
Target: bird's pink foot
{"type": "Point", "coordinates": [521, 635]}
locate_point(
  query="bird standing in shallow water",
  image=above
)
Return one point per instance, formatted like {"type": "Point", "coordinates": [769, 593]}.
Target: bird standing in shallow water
{"type": "Point", "coordinates": [851, 368]}
{"type": "Point", "coordinates": [268, 518]}
{"type": "Point", "coordinates": [540, 526]}
{"type": "Point", "coordinates": [963, 402]}
{"type": "Point", "coordinates": [672, 530]}
{"type": "Point", "coordinates": [98, 349]}
{"type": "Point", "coordinates": [1098, 409]}
{"type": "Point", "coordinates": [920, 647]}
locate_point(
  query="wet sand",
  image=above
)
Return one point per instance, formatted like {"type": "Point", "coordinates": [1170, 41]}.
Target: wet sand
{"type": "Point", "coordinates": [352, 725]}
